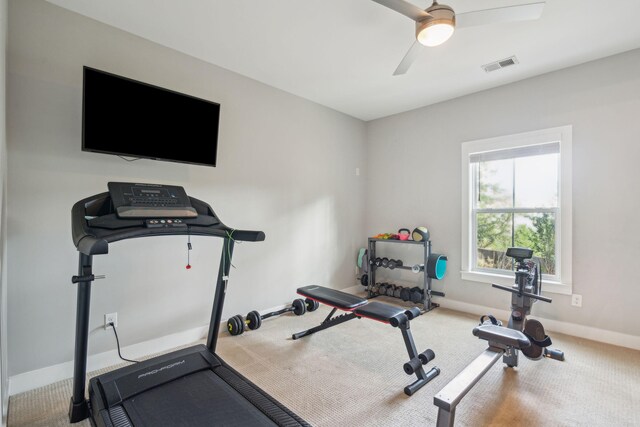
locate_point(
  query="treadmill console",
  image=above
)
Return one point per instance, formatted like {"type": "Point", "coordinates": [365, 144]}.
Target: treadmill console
{"type": "Point", "coordinates": [150, 201]}
{"type": "Point", "coordinates": [164, 223]}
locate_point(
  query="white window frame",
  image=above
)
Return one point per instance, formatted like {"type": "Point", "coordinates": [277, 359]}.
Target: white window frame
{"type": "Point", "coordinates": [563, 135]}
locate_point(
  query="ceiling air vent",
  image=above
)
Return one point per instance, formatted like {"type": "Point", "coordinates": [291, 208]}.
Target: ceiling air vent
{"type": "Point", "coordinates": [496, 65]}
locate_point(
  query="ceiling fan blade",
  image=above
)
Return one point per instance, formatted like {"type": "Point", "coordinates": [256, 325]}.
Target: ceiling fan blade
{"type": "Point", "coordinates": [409, 58]}
{"type": "Point", "coordinates": [407, 9]}
{"type": "Point", "coordinates": [524, 12]}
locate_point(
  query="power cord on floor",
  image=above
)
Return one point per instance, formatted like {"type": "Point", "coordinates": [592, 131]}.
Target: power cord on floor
{"type": "Point", "coordinates": [118, 344]}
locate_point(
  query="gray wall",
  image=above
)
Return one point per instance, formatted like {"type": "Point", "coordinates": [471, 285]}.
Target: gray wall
{"type": "Point", "coordinates": [4, 395]}
{"type": "Point", "coordinates": [286, 166]}
{"type": "Point", "coordinates": [415, 178]}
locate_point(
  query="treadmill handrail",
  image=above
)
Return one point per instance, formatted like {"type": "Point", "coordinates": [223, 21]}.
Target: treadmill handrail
{"type": "Point", "coordinates": [95, 224]}
{"type": "Point", "coordinates": [95, 241]}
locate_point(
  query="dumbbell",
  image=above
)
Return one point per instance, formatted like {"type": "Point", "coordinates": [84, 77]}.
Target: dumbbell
{"type": "Point", "coordinates": [397, 291]}
{"type": "Point", "coordinates": [416, 295]}
{"type": "Point", "coordinates": [312, 305]}
{"type": "Point", "coordinates": [414, 364]}
{"type": "Point", "coordinates": [385, 262]}
{"type": "Point", "coordinates": [237, 324]}
{"type": "Point", "coordinates": [373, 288]}
{"type": "Point", "coordinates": [385, 288]}
{"type": "Point", "coordinates": [382, 288]}
{"type": "Point", "coordinates": [391, 289]}
{"type": "Point", "coordinates": [377, 262]}
{"type": "Point", "coordinates": [393, 263]}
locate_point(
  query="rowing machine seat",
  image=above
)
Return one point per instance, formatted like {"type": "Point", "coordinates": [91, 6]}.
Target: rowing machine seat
{"type": "Point", "coordinates": [501, 335]}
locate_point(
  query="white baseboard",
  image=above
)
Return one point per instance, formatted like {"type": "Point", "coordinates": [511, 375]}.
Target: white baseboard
{"type": "Point", "coordinates": [51, 374]}
{"type": "Point", "coordinates": [581, 331]}
{"type": "Point", "coordinates": [41, 377]}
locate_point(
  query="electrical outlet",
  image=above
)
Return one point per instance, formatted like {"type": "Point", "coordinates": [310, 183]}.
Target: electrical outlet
{"type": "Point", "coordinates": [357, 171]}
{"type": "Point", "coordinates": [576, 300]}
{"type": "Point", "coordinates": [110, 318]}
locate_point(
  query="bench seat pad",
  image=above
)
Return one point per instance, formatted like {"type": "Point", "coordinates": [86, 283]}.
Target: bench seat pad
{"type": "Point", "coordinates": [379, 311]}
{"type": "Point", "coordinates": [338, 299]}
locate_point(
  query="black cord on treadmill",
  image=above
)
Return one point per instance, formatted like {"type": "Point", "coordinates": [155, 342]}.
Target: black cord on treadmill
{"type": "Point", "coordinates": [118, 344]}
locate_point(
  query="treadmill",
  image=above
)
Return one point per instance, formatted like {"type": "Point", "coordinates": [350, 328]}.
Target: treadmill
{"type": "Point", "coordinates": [189, 387]}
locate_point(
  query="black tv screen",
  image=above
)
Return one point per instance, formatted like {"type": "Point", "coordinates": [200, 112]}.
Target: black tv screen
{"type": "Point", "coordinates": [130, 118]}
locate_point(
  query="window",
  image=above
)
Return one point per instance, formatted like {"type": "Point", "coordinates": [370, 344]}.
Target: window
{"type": "Point", "coordinates": [517, 192]}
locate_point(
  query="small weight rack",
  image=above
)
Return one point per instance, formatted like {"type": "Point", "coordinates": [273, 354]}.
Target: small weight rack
{"type": "Point", "coordinates": [426, 302]}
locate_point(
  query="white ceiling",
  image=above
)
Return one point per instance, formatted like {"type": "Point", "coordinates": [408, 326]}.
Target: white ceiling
{"type": "Point", "coordinates": [342, 53]}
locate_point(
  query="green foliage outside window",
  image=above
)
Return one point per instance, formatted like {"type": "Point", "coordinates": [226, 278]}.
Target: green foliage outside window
{"type": "Point", "coordinates": [496, 231]}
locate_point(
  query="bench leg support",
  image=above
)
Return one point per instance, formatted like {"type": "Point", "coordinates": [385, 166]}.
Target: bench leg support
{"type": "Point", "coordinates": [328, 322]}
{"type": "Point", "coordinates": [422, 377]}
{"type": "Point", "coordinates": [422, 380]}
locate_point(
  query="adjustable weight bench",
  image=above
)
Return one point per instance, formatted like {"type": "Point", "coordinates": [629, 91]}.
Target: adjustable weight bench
{"type": "Point", "coordinates": [356, 307]}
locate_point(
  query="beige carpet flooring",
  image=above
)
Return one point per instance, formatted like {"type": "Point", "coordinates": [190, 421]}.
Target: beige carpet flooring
{"type": "Point", "coordinates": [351, 375]}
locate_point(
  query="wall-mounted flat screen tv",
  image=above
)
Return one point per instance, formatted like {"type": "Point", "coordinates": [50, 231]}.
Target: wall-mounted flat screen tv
{"type": "Point", "coordinates": [129, 118]}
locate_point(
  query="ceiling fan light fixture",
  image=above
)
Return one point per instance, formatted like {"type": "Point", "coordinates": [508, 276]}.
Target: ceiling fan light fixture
{"type": "Point", "coordinates": [438, 27]}
{"type": "Point", "coordinates": [435, 35]}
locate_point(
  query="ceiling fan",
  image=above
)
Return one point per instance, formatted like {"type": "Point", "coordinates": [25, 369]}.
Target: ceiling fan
{"type": "Point", "coordinates": [436, 24]}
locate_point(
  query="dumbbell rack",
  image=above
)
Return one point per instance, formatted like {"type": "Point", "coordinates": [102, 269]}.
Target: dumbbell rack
{"type": "Point", "coordinates": [427, 302]}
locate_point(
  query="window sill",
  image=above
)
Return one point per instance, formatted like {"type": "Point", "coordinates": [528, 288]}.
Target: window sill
{"type": "Point", "coordinates": [506, 280]}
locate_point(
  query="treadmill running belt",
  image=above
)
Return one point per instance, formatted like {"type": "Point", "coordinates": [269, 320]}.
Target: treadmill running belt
{"type": "Point", "coordinates": [199, 399]}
